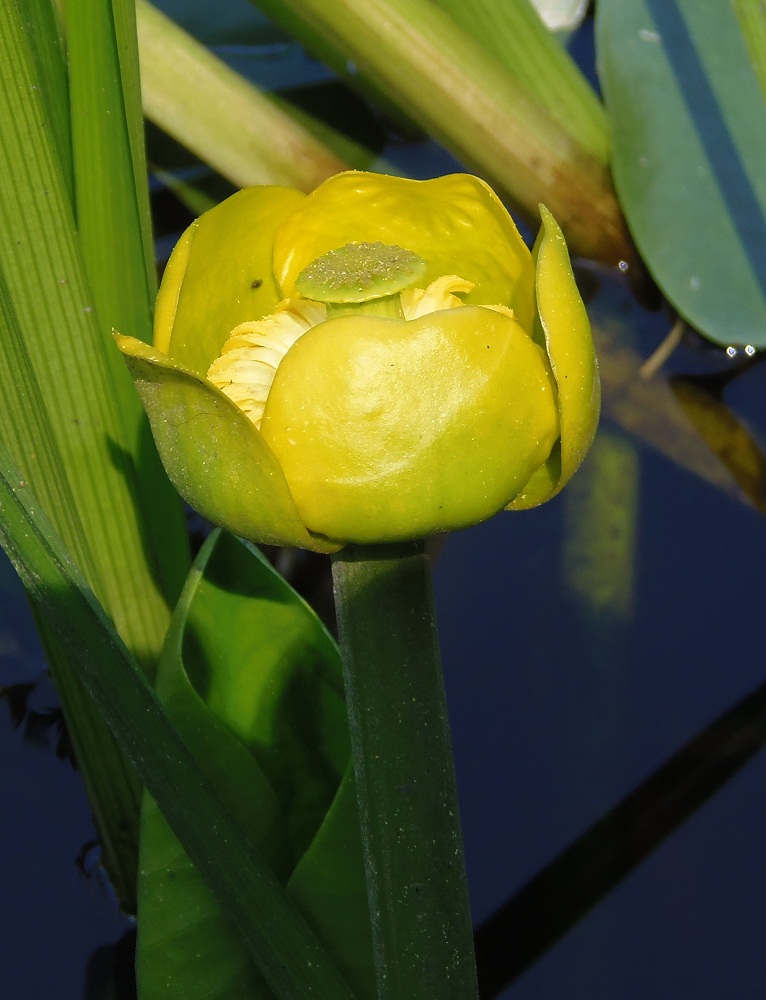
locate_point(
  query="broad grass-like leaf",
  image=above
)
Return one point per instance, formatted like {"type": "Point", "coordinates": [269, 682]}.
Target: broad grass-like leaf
{"type": "Point", "coordinates": [273, 933]}
{"type": "Point", "coordinates": [111, 193]}
{"type": "Point", "coordinates": [253, 682]}
{"type": "Point", "coordinates": [688, 123]}
{"type": "Point", "coordinates": [111, 784]}
{"type": "Point", "coordinates": [70, 415]}
{"type": "Point", "coordinates": [48, 50]}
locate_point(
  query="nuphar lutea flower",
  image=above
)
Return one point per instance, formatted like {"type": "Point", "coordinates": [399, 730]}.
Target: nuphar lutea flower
{"type": "Point", "coordinates": [377, 361]}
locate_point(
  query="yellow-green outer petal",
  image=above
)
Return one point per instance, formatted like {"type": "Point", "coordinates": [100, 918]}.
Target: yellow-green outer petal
{"type": "Point", "coordinates": [220, 274]}
{"type": "Point", "coordinates": [217, 460]}
{"type": "Point", "coordinates": [573, 360]}
{"type": "Point", "coordinates": [456, 223]}
{"type": "Point", "coordinates": [166, 303]}
{"type": "Point", "coordinates": [389, 430]}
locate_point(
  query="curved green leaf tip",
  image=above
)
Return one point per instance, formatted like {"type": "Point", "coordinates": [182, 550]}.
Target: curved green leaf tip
{"type": "Point", "coordinates": [253, 682]}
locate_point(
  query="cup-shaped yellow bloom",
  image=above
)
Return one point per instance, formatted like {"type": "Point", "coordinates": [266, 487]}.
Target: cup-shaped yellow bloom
{"type": "Point", "coordinates": [377, 361]}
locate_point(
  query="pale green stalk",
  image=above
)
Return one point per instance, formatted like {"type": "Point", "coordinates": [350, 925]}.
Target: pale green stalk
{"type": "Point", "coordinates": [515, 35]}
{"type": "Point", "coordinates": [461, 94]}
{"type": "Point", "coordinates": [405, 775]}
{"type": "Point", "coordinates": [217, 114]}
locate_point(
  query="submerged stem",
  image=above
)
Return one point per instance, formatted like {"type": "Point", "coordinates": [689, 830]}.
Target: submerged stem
{"type": "Point", "coordinates": [404, 771]}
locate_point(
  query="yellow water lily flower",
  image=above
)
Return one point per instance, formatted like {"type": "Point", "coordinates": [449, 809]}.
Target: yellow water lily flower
{"type": "Point", "coordinates": [377, 361]}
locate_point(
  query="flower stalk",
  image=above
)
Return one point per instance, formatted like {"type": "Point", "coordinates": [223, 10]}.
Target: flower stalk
{"type": "Point", "coordinates": [404, 772]}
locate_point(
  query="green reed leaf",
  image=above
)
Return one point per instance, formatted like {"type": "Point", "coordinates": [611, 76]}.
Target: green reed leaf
{"type": "Point", "coordinates": [70, 417]}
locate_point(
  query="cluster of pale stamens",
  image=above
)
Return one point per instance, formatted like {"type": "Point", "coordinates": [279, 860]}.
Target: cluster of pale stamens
{"type": "Point", "coordinates": [254, 350]}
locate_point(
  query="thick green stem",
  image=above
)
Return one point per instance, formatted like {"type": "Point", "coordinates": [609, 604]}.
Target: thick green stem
{"type": "Point", "coordinates": [405, 776]}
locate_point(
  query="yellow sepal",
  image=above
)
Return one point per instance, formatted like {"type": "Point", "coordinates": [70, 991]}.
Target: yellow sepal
{"type": "Point", "coordinates": [566, 328]}
{"type": "Point", "coordinates": [220, 275]}
{"type": "Point", "coordinates": [214, 455]}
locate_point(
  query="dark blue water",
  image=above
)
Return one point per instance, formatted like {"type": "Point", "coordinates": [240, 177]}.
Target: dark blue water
{"type": "Point", "coordinates": [53, 916]}
{"type": "Point", "coordinates": [547, 737]}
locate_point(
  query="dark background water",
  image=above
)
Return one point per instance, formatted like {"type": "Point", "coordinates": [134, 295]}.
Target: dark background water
{"type": "Point", "coordinates": [555, 716]}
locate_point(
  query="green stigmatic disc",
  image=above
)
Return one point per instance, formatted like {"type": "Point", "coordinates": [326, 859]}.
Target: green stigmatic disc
{"type": "Point", "coordinates": [359, 272]}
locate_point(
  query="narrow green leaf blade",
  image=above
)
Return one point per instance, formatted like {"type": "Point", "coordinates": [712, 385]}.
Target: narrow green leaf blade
{"type": "Point", "coordinates": [132, 516]}
{"type": "Point", "coordinates": [70, 417]}
{"type": "Point", "coordinates": [112, 206]}
{"type": "Point", "coordinates": [274, 934]}
{"type": "Point", "coordinates": [115, 234]}
{"type": "Point", "coordinates": [48, 49]}
{"type": "Point", "coordinates": [129, 70]}
{"type": "Point", "coordinates": [688, 126]}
